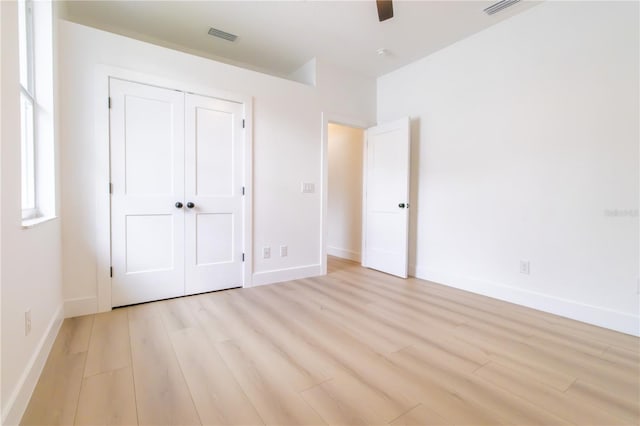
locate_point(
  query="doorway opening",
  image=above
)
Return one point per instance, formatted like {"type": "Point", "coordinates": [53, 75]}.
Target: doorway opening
{"type": "Point", "coordinates": [365, 195]}
{"type": "Point", "coordinates": [345, 145]}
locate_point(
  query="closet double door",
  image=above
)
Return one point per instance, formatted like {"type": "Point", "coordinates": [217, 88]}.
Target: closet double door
{"type": "Point", "coordinates": [176, 193]}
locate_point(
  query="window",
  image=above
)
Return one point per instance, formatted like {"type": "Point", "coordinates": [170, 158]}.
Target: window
{"type": "Point", "coordinates": [36, 109]}
{"type": "Point", "coordinates": [28, 157]}
{"type": "Point", "coordinates": [27, 101]}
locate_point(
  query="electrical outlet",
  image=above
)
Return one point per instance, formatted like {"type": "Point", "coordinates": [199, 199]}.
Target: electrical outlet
{"type": "Point", "coordinates": [308, 187]}
{"type": "Point", "coordinates": [27, 322]}
{"type": "Point", "coordinates": [266, 252]}
{"type": "Point", "coordinates": [524, 267]}
{"type": "Point", "coordinates": [284, 251]}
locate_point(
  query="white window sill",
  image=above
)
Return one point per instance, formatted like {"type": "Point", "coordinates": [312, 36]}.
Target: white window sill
{"type": "Point", "coordinates": [31, 223]}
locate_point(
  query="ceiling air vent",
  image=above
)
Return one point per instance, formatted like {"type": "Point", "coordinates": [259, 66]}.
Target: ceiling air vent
{"type": "Point", "coordinates": [497, 7]}
{"type": "Point", "coordinates": [222, 34]}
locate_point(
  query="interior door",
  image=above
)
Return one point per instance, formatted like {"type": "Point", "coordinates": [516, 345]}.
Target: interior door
{"type": "Point", "coordinates": [213, 194]}
{"type": "Point", "coordinates": [147, 175]}
{"type": "Point", "coordinates": [386, 198]}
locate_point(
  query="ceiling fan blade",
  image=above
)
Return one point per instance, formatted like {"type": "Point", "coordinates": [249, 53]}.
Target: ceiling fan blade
{"type": "Point", "coordinates": [385, 9]}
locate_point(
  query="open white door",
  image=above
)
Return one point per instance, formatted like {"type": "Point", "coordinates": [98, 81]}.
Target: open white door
{"type": "Point", "coordinates": [386, 198]}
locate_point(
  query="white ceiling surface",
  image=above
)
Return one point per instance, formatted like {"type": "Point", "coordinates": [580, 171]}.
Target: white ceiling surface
{"type": "Point", "coordinates": [278, 37]}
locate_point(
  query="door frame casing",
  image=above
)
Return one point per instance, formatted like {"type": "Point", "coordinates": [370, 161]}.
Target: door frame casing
{"type": "Point", "coordinates": [102, 163]}
{"type": "Point", "coordinates": [328, 117]}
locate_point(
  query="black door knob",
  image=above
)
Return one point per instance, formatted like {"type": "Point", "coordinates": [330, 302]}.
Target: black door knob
{"type": "Point", "coordinates": [401, 205]}
{"type": "Point", "coordinates": [190, 205]}
{"type": "Point", "coordinates": [178, 205]}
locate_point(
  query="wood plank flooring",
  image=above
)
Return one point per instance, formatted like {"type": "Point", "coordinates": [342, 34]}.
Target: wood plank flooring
{"type": "Point", "coordinates": [354, 347]}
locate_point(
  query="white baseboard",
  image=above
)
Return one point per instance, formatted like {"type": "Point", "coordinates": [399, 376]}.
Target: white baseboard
{"type": "Point", "coordinates": [602, 317]}
{"type": "Point", "coordinates": [80, 306]}
{"type": "Point", "coordinates": [288, 274]}
{"type": "Point", "coordinates": [19, 399]}
{"type": "Point", "coordinates": [344, 253]}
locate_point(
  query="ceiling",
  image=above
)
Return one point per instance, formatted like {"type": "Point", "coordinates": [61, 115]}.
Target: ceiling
{"type": "Point", "coordinates": [278, 37]}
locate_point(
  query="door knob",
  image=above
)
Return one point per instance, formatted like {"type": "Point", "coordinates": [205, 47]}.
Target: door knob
{"type": "Point", "coordinates": [401, 205]}
{"type": "Point", "coordinates": [190, 205]}
{"type": "Point", "coordinates": [178, 205]}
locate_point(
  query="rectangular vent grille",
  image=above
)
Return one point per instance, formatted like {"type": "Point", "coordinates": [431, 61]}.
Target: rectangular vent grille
{"type": "Point", "coordinates": [222, 34]}
{"type": "Point", "coordinates": [497, 7]}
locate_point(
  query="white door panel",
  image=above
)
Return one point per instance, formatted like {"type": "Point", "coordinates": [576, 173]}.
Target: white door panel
{"type": "Point", "coordinates": [149, 129]}
{"type": "Point", "coordinates": [214, 148]}
{"type": "Point", "coordinates": [213, 240]}
{"type": "Point", "coordinates": [140, 256]}
{"type": "Point", "coordinates": [147, 172]}
{"type": "Point", "coordinates": [386, 199]}
{"type": "Point", "coordinates": [214, 251]}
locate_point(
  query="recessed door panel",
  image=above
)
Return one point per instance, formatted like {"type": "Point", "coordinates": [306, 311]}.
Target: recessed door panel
{"type": "Point", "coordinates": [385, 162]}
{"type": "Point", "coordinates": [149, 243]}
{"type": "Point", "coordinates": [214, 238]}
{"type": "Point", "coordinates": [148, 143]}
{"type": "Point", "coordinates": [214, 132]}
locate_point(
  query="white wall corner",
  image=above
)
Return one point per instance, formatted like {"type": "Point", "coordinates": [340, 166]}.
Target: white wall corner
{"type": "Point", "coordinates": [412, 270]}
{"type": "Point", "coordinates": [80, 306]}
{"type": "Point", "coordinates": [19, 399]}
{"type": "Point", "coordinates": [286, 274]}
{"type": "Point", "coordinates": [306, 74]}
{"type": "Point", "coordinates": [601, 317]}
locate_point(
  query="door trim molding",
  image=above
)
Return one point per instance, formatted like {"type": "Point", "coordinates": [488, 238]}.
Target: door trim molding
{"type": "Point", "coordinates": [102, 166]}
{"type": "Point", "coordinates": [326, 118]}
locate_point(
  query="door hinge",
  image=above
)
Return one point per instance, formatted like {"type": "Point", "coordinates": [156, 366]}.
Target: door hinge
{"type": "Point", "coordinates": [243, 123]}
{"type": "Point", "coordinates": [109, 102]}
{"type": "Point", "coordinates": [111, 271]}
{"type": "Point", "coordinates": [110, 188]}
{"type": "Point", "coordinates": [243, 190]}
{"type": "Point", "coordinates": [243, 257]}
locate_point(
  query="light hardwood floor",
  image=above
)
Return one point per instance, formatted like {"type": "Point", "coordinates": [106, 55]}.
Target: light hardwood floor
{"type": "Point", "coordinates": [353, 347]}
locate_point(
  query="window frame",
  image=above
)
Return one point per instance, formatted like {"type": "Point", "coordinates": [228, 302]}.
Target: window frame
{"type": "Point", "coordinates": [28, 136]}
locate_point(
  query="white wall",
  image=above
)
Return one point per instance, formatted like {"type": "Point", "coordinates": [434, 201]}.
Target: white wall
{"type": "Point", "coordinates": [2, 36]}
{"type": "Point", "coordinates": [344, 199]}
{"type": "Point", "coordinates": [526, 142]}
{"type": "Point", "coordinates": [31, 258]}
{"type": "Point", "coordinates": [287, 147]}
